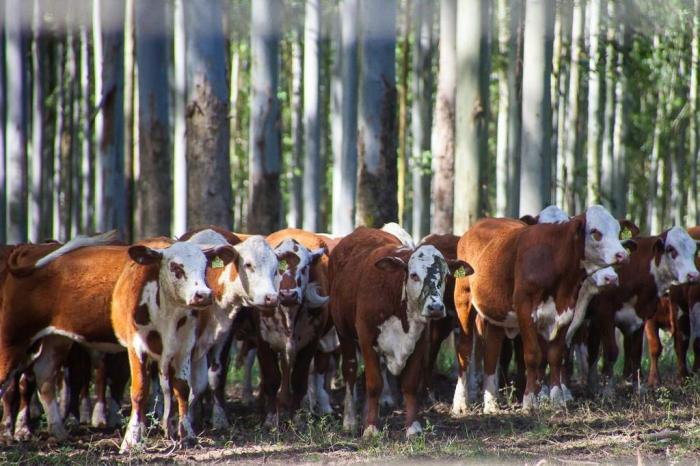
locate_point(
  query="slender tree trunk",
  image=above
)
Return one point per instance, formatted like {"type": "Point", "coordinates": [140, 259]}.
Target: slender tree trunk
{"type": "Point", "coordinates": [296, 203]}
{"type": "Point", "coordinates": [404, 67]}
{"type": "Point", "coordinates": [472, 107]}
{"type": "Point", "coordinates": [422, 116]}
{"type": "Point", "coordinates": [87, 208]}
{"type": "Point", "coordinates": [622, 110]}
{"type": "Point", "coordinates": [573, 110]}
{"type": "Point", "coordinates": [58, 194]}
{"type": "Point", "coordinates": [264, 211]}
{"type": "Point", "coordinates": [536, 151]}
{"type": "Point", "coordinates": [345, 169]}
{"type": "Point", "coordinates": [155, 168]}
{"type": "Point", "coordinates": [74, 179]}
{"type": "Point", "coordinates": [444, 138]}
{"type": "Point", "coordinates": [17, 14]}
{"type": "Point", "coordinates": [607, 172]}
{"type": "Point", "coordinates": [110, 190]}
{"type": "Point", "coordinates": [312, 117]}
{"type": "Point", "coordinates": [656, 168]}
{"type": "Point", "coordinates": [596, 93]}
{"type": "Point", "coordinates": [180, 195]}
{"type": "Point", "coordinates": [3, 148]}
{"type": "Point", "coordinates": [566, 12]}
{"type": "Point", "coordinates": [693, 217]}
{"type": "Point", "coordinates": [515, 106]}
{"type": "Point", "coordinates": [131, 157]}
{"type": "Point", "coordinates": [377, 179]}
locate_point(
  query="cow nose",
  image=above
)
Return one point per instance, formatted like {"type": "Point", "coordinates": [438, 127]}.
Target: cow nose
{"type": "Point", "coordinates": [288, 297]}
{"type": "Point", "coordinates": [436, 311]}
{"type": "Point", "coordinates": [621, 257]}
{"type": "Point", "coordinates": [693, 277]}
{"type": "Point", "coordinates": [271, 299]}
{"type": "Point", "coordinates": [201, 298]}
{"type": "Point", "coordinates": [611, 280]}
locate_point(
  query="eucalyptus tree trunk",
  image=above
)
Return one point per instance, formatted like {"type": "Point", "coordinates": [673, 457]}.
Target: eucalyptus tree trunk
{"type": "Point", "coordinates": [110, 189]}
{"type": "Point", "coordinates": [693, 217]}
{"type": "Point", "coordinates": [656, 169]}
{"type": "Point", "coordinates": [58, 196]}
{"type": "Point", "coordinates": [558, 75]}
{"type": "Point", "coordinates": [208, 171]}
{"type": "Point", "coordinates": [345, 168]}
{"type": "Point", "coordinates": [573, 107]}
{"type": "Point", "coordinates": [422, 116]}
{"type": "Point", "coordinates": [405, 209]}
{"type": "Point", "coordinates": [155, 164]}
{"type": "Point", "coordinates": [312, 115]}
{"type": "Point", "coordinates": [536, 151]}
{"type": "Point", "coordinates": [472, 108]}
{"type": "Point", "coordinates": [3, 148]}
{"type": "Point", "coordinates": [87, 208]}
{"type": "Point", "coordinates": [622, 110]}
{"type": "Point", "coordinates": [130, 121]}
{"type": "Point", "coordinates": [179, 209]}
{"type": "Point", "coordinates": [17, 15]}
{"type": "Point", "coordinates": [296, 204]}
{"type": "Point", "coordinates": [73, 178]}
{"type": "Point", "coordinates": [444, 137]}
{"type": "Point", "coordinates": [607, 166]}
{"type": "Point", "coordinates": [377, 178]}
{"type": "Point", "coordinates": [596, 93]}
{"type": "Point", "coordinates": [264, 211]}
{"type": "Point", "coordinates": [562, 91]}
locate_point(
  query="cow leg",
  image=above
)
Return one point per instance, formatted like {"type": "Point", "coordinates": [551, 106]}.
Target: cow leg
{"type": "Point", "coordinates": [696, 352]}
{"type": "Point", "coordinates": [555, 356]}
{"type": "Point", "coordinates": [439, 331]}
{"type": "Point", "coordinates": [627, 371]}
{"type": "Point", "coordinates": [140, 379]}
{"type": "Point", "coordinates": [27, 388]}
{"type": "Point", "coordinates": [504, 362]}
{"type": "Point", "coordinates": [465, 343]}
{"type": "Point", "coordinates": [636, 340]}
{"type": "Point", "coordinates": [476, 366]}
{"type": "Point", "coordinates": [300, 377]}
{"type": "Point", "coordinates": [271, 378]}
{"type": "Point", "coordinates": [99, 412]}
{"type": "Point", "coordinates": [610, 353]}
{"type": "Point", "coordinates": [181, 389]}
{"type": "Point", "coordinates": [9, 411]}
{"type": "Point", "coordinates": [520, 378]}
{"type": "Point", "coordinates": [652, 333]}
{"type": "Point", "coordinates": [531, 349]}
{"type": "Point", "coordinates": [347, 347]}
{"type": "Point", "coordinates": [386, 398]}
{"type": "Point", "coordinates": [200, 382]}
{"type": "Point", "coordinates": [218, 368]}
{"type": "Point", "coordinates": [410, 384]}
{"type": "Point", "coordinates": [319, 400]}
{"type": "Point", "coordinates": [117, 368]}
{"type": "Point", "coordinates": [53, 354]}
{"type": "Point", "coordinates": [248, 374]}
{"type": "Point", "coordinates": [492, 349]}
{"type": "Point", "coordinates": [167, 391]}
{"type": "Point", "coordinates": [374, 382]}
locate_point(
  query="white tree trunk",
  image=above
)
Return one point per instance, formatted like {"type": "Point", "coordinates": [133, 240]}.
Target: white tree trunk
{"type": "Point", "coordinates": [296, 200]}
{"type": "Point", "coordinates": [312, 120]}
{"type": "Point", "coordinates": [607, 166]}
{"type": "Point", "coordinates": [179, 226]}
{"type": "Point", "coordinates": [596, 93]}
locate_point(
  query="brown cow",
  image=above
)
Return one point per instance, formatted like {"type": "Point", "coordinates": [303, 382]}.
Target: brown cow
{"type": "Point", "coordinates": [383, 294]}
{"type": "Point", "coordinates": [528, 280]}
{"type": "Point", "coordinates": [659, 262]}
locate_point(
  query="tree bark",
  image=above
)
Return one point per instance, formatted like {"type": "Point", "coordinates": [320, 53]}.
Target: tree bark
{"type": "Point", "coordinates": [535, 187]}
{"type": "Point", "coordinates": [472, 108]}
{"type": "Point", "coordinates": [312, 117]}
{"type": "Point", "coordinates": [607, 167]}
{"type": "Point", "coordinates": [422, 116]}
{"type": "Point", "coordinates": [17, 15]}
{"type": "Point", "coordinates": [3, 148]}
{"type": "Point", "coordinates": [110, 189]}
{"type": "Point", "coordinates": [155, 168]}
{"type": "Point", "coordinates": [180, 195]}
{"type": "Point", "coordinates": [693, 217]}
{"type": "Point", "coordinates": [377, 179]}
{"type": "Point", "coordinates": [87, 208]}
{"type": "Point", "coordinates": [444, 138]}
{"type": "Point", "coordinates": [404, 67]}
{"type": "Point", "coordinates": [345, 169]}
{"type": "Point", "coordinates": [296, 204]}
{"type": "Point", "coordinates": [566, 13]}
{"type": "Point", "coordinates": [264, 211]}
{"type": "Point", "coordinates": [596, 95]}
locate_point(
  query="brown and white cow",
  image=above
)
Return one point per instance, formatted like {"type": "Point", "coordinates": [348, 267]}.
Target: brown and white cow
{"type": "Point", "coordinates": [383, 294]}
{"type": "Point", "coordinates": [288, 336]}
{"type": "Point", "coordinates": [527, 281]}
{"type": "Point", "coordinates": [248, 280]}
{"type": "Point", "coordinates": [659, 262]}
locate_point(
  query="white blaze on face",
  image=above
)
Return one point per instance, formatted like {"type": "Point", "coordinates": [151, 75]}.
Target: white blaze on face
{"type": "Point", "coordinates": [677, 263]}
{"type": "Point", "coordinates": [552, 214]}
{"type": "Point", "coordinates": [183, 273]}
{"type": "Point", "coordinates": [602, 240]}
{"type": "Point", "coordinates": [425, 285]}
{"type": "Point", "coordinates": [257, 269]}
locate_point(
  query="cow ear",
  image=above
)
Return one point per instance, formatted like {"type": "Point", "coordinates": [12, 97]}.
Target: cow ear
{"type": "Point", "coordinates": [630, 245]}
{"type": "Point", "coordinates": [225, 253]}
{"type": "Point", "coordinates": [391, 263]}
{"type": "Point", "coordinates": [626, 225]}
{"type": "Point", "coordinates": [579, 223]}
{"type": "Point", "coordinates": [144, 255]}
{"type": "Point", "coordinates": [529, 220]}
{"type": "Point", "coordinates": [317, 254]}
{"type": "Point", "coordinates": [459, 268]}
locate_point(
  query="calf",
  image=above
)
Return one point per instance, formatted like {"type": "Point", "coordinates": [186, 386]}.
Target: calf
{"type": "Point", "coordinates": [659, 262]}
{"type": "Point", "coordinates": [383, 294]}
{"type": "Point", "coordinates": [290, 334]}
{"type": "Point", "coordinates": [527, 281]}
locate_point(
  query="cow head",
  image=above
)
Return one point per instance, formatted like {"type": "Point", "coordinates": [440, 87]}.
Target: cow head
{"type": "Point", "coordinates": [182, 270]}
{"type": "Point", "coordinates": [295, 262]}
{"type": "Point", "coordinates": [674, 259]}
{"type": "Point", "coordinates": [425, 274]}
{"type": "Point", "coordinates": [602, 246]}
{"type": "Point", "coordinates": [257, 268]}
{"type": "Point", "coordinates": [604, 277]}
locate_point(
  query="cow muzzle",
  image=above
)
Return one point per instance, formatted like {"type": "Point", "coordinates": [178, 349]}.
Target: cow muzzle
{"type": "Point", "coordinates": [201, 299]}
{"type": "Point", "coordinates": [434, 311]}
{"type": "Point", "coordinates": [289, 297]}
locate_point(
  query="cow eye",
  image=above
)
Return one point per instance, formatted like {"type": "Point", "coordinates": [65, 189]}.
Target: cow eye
{"type": "Point", "coordinates": [596, 235]}
{"type": "Point", "coordinates": [248, 266]}
{"type": "Point", "coordinates": [671, 251]}
{"type": "Point", "coordinates": [414, 276]}
{"type": "Point", "coordinates": [177, 270]}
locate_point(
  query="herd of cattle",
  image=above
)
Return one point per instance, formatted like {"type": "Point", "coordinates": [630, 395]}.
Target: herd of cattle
{"type": "Point", "coordinates": [555, 286]}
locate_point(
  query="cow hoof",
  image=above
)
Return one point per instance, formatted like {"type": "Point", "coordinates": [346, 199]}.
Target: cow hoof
{"type": "Point", "coordinates": [529, 403]}
{"type": "Point", "coordinates": [272, 421]}
{"type": "Point", "coordinates": [556, 398]}
{"type": "Point", "coordinates": [85, 411]}
{"type": "Point", "coordinates": [370, 431]}
{"type": "Point", "coordinates": [543, 395]}
{"type": "Point", "coordinates": [132, 436]}
{"type": "Point", "coordinates": [22, 434]}
{"type": "Point", "coordinates": [59, 432]}
{"type": "Point", "coordinates": [490, 404]}
{"type": "Point", "coordinates": [414, 429]}
{"type": "Point", "coordinates": [567, 393]}
{"type": "Point", "coordinates": [460, 398]}
{"type": "Point", "coordinates": [349, 424]}
{"type": "Point", "coordinates": [99, 420]}
{"type": "Point", "coordinates": [218, 418]}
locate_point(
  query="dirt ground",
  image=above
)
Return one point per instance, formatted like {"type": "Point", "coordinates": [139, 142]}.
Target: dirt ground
{"type": "Point", "coordinates": [662, 426]}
